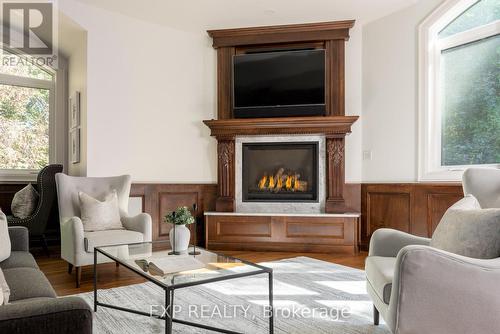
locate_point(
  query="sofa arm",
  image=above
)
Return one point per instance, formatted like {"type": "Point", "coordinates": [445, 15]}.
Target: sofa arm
{"type": "Point", "coordinates": [19, 238]}
{"type": "Point", "coordinates": [388, 242]}
{"type": "Point", "coordinates": [435, 291]}
{"type": "Point", "coordinates": [140, 223]}
{"type": "Point", "coordinates": [72, 239]}
{"type": "Point", "coordinates": [47, 316]}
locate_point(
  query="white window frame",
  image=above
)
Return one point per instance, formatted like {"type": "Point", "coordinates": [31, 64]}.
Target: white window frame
{"type": "Point", "coordinates": [26, 175]}
{"type": "Point", "coordinates": [430, 48]}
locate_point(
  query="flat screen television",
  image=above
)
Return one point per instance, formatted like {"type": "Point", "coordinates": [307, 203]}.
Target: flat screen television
{"type": "Point", "coordinates": [279, 84]}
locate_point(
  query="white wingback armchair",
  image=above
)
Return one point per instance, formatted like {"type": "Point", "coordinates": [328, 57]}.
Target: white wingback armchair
{"type": "Point", "coordinates": [421, 289]}
{"type": "Point", "coordinates": [77, 245]}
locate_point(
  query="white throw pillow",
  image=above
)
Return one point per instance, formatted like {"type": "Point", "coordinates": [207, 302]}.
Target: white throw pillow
{"type": "Point", "coordinates": [4, 290]}
{"type": "Point", "coordinates": [24, 202]}
{"type": "Point", "coordinates": [99, 215]}
{"type": "Point", "coordinates": [468, 230]}
{"type": "Point", "coordinates": [469, 202]}
{"type": "Point", "coordinates": [4, 238]}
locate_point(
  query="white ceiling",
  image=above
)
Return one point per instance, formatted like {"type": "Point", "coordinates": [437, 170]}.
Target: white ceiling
{"type": "Point", "coordinates": [196, 15]}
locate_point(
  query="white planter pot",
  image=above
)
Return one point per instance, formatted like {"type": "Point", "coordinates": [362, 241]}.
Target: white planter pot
{"type": "Point", "coordinates": [182, 237]}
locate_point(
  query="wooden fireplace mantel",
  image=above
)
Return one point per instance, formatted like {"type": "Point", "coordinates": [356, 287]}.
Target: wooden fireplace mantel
{"type": "Point", "coordinates": [329, 125]}
{"type": "Point", "coordinates": [335, 128]}
{"type": "Point", "coordinates": [329, 36]}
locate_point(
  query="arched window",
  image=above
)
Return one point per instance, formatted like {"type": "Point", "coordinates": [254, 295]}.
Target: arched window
{"type": "Point", "coordinates": [459, 89]}
{"type": "Point", "coordinates": [26, 113]}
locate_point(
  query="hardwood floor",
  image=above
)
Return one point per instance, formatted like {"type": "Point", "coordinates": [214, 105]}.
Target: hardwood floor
{"type": "Point", "coordinates": [111, 276]}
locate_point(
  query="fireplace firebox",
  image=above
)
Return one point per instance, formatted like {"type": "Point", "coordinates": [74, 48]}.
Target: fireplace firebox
{"type": "Point", "coordinates": [280, 172]}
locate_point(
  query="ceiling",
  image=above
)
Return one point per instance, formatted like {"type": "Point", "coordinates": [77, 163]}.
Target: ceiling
{"type": "Point", "coordinates": [196, 15]}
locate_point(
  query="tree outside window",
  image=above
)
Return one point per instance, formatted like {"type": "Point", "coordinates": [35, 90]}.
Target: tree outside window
{"type": "Point", "coordinates": [471, 91]}
{"type": "Point", "coordinates": [460, 100]}
{"type": "Point", "coordinates": [25, 107]}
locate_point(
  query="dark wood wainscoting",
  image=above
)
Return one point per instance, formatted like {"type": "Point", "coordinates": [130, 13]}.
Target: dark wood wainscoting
{"type": "Point", "coordinates": [415, 208]}
{"type": "Point", "coordinates": [411, 207]}
{"type": "Point", "coordinates": [352, 196]}
{"type": "Point", "coordinates": [159, 199]}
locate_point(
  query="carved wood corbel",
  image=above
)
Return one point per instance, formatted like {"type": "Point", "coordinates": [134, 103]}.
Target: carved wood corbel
{"type": "Point", "coordinates": [335, 169]}
{"type": "Point", "coordinates": [225, 174]}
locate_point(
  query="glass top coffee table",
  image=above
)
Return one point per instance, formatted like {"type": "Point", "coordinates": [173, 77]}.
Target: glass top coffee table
{"type": "Point", "coordinates": [154, 262]}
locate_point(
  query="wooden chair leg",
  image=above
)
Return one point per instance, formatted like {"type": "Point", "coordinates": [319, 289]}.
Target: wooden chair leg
{"type": "Point", "coordinates": [376, 316]}
{"type": "Point", "coordinates": [78, 276]}
{"type": "Point", "coordinates": [70, 268]}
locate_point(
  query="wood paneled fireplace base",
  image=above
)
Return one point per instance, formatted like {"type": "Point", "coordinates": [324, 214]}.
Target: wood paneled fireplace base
{"type": "Point", "coordinates": [321, 233]}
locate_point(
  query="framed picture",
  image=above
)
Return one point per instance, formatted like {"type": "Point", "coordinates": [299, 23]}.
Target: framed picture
{"type": "Point", "coordinates": [74, 110]}
{"type": "Point", "coordinates": [74, 141]}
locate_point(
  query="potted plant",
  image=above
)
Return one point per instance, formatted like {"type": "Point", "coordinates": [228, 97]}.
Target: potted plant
{"type": "Point", "coordinates": [180, 217]}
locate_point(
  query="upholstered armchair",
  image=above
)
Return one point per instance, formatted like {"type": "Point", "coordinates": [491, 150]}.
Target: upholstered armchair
{"type": "Point", "coordinates": [77, 245]}
{"type": "Point", "coordinates": [46, 209]}
{"type": "Point", "coordinates": [420, 289]}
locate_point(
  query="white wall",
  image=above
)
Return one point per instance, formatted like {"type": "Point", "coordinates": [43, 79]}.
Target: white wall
{"type": "Point", "coordinates": [73, 45]}
{"type": "Point", "coordinates": [77, 82]}
{"type": "Point", "coordinates": [150, 86]}
{"type": "Point", "coordinates": [353, 104]}
{"type": "Point", "coordinates": [148, 89]}
{"type": "Point", "coordinates": [390, 94]}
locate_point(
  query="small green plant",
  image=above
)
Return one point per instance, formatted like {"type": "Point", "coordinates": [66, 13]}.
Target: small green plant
{"type": "Point", "coordinates": [181, 216]}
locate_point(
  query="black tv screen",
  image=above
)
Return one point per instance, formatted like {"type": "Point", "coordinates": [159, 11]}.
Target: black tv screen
{"type": "Point", "coordinates": [275, 84]}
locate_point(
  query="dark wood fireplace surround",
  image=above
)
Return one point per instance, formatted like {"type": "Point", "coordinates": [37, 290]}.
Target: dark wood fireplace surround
{"type": "Point", "coordinates": [330, 36]}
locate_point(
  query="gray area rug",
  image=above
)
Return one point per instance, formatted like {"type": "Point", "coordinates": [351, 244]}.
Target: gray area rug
{"type": "Point", "coordinates": [310, 296]}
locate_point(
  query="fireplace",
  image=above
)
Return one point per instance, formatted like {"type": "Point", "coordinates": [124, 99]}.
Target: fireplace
{"type": "Point", "coordinates": [296, 159]}
{"type": "Point", "coordinates": [231, 132]}
{"type": "Point", "coordinates": [280, 172]}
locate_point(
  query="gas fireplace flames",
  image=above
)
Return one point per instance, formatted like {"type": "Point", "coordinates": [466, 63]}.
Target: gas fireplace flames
{"type": "Point", "coordinates": [281, 181]}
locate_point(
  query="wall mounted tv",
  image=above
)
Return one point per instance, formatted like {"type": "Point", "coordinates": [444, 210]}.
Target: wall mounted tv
{"type": "Point", "coordinates": [279, 84]}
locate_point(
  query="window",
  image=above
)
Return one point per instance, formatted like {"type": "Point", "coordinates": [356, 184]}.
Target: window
{"type": "Point", "coordinates": [26, 109]}
{"type": "Point", "coordinates": [459, 89]}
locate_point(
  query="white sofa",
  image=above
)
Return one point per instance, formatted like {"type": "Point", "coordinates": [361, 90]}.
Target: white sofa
{"type": "Point", "coordinates": [77, 246]}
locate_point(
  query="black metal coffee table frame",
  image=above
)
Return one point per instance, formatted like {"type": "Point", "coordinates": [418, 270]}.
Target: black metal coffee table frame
{"type": "Point", "coordinates": [169, 292]}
